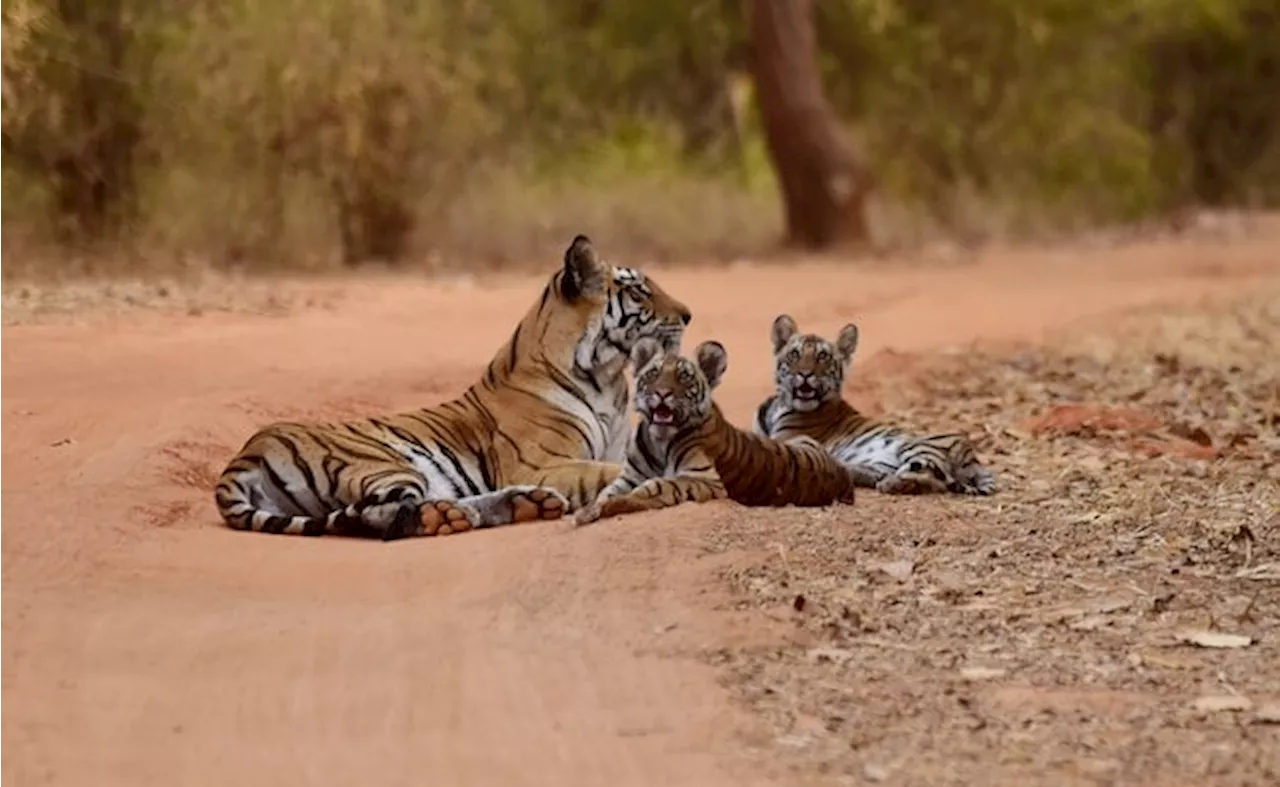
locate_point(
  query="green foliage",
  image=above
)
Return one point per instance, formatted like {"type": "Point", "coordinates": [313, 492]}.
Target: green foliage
{"type": "Point", "coordinates": [341, 130]}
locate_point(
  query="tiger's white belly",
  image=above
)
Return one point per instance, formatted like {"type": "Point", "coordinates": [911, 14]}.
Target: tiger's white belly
{"type": "Point", "coordinates": [877, 450]}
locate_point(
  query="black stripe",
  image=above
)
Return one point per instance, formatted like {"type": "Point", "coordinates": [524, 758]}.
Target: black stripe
{"type": "Point", "coordinates": [303, 466]}
{"type": "Point", "coordinates": [486, 471]}
{"type": "Point", "coordinates": [514, 351]}
{"type": "Point", "coordinates": [279, 484]}
{"type": "Point", "coordinates": [466, 477]}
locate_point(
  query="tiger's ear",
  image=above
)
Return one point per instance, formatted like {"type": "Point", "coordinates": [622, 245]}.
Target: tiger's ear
{"type": "Point", "coordinates": [644, 352]}
{"type": "Point", "coordinates": [584, 274]}
{"type": "Point", "coordinates": [712, 360]}
{"type": "Point", "coordinates": [847, 342]}
{"type": "Point", "coordinates": [783, 329]}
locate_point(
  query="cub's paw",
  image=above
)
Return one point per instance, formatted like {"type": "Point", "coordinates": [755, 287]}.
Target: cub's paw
{"type": "Point", "coordinates": [537, 503]}
{"type": "Point", "coordinates": [909, 484]}
{"type": "Point", "coordinates": [980, 483]}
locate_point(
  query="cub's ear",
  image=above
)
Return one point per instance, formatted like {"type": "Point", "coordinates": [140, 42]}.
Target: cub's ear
{"type": "Point", "coordinates": [847, 342]}
{"type": "Point", "coordinates": [783, 329]}
{"type": "Point", "coordinates": [584, 274]}
{"type": "Point", "coordinates": [644, 352]}
{"type": "Point", "coordinates": [712, 360]}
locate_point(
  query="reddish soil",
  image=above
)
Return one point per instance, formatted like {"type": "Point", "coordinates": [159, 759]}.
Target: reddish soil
{"type": "Point", "coordinates": [144, 643]}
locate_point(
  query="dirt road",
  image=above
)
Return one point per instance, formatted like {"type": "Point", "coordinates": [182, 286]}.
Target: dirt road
{"type": "Point", "coordinates": [146, 644]}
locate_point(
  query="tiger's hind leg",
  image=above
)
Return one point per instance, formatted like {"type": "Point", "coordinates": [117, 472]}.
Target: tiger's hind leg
{"type": "Point", "coordinates": [514, 505]}
{"type": "Point", "coordinates": [409, 518]}
{"type": "Point", "coordinates": [400, 509]}
{"type": "Point", "coordinates": [975, 480]}
{"type": "Point", "coordinates": [915, 478]}
{"type": "Point", "coordinates": [867, 476]}
{"type": "Point", "coordinates": [909, 484]}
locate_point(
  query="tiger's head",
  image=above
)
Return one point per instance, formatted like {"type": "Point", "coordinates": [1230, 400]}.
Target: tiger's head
{"type": "Point", "coordinates": [673, 393]}
{"type": "Point", "coordinates": [809, 370]}
{"type": "Point", "coordinates": [610, 309]}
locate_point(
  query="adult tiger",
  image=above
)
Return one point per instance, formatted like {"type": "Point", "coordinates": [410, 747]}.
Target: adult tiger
{"type": "Point", "coordinates": [809, 373]}
{"type": "Point", "coordinates": [683, 449]}
{"type": "Point", "coordinates": [540, 434]}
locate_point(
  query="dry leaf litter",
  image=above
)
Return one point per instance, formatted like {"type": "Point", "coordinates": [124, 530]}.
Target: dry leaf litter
{"type": "Point", "coordinates": [1112, 615]}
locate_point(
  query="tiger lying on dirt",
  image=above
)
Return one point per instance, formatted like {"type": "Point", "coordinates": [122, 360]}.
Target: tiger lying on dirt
{"type": "Point", "coordinates": [683, 449]}
{"type": "Point", "coordinates": [539, 434]}
{"type": "Point", "coordinates": [807, 403]}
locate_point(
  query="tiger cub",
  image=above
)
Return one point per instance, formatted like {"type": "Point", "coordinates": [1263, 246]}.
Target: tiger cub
{"type": "Point", "coordinates": [807, 402]}
{"type": "Point", "coordinates": [683, 449]}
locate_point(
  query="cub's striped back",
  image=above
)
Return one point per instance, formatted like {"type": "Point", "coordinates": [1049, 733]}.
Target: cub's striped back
{"type": "Point", "coordinates": [807, 402]}
{"type": "Point", "coordinates": [683, 449]}
{"type": "Point", "coordinates": [541, 433]}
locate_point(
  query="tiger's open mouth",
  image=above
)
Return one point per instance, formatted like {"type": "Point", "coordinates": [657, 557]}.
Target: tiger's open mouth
{"type": "Point", "coordinates": [662, 415]}
{"type": "Point", "coordinates": [806, 391]}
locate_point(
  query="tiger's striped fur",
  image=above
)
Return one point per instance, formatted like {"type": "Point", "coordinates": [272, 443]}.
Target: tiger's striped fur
{"type": "Point", "coordinates": [541, 433]}
{"type": "Point", "coordinates": [807, 402]}
{"type": "Point", "coordinates": [683, 449]}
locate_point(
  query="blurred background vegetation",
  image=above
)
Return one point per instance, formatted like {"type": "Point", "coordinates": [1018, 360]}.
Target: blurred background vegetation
{"type": "Point", "coordinates": [311, 135]}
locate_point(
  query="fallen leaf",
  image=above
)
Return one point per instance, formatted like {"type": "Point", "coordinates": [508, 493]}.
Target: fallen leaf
{"type": "Point", "coordinates": [1214, 639]}
{"type": "Point", "coordinates": [1096, 608]}
{"type": "Point", "coordinates": [982, 673]}
{"type": "Point", "coordinates": [1111, 605]}
{"type": "Point", "coordinates": [899, 569]}
{"type": "Point", "coordinates": [1195, 434]}
{"type": "Point", "coordinates": [874, 773]}
{"type": "Point", "coordinates": [833, 655]}
{"type": "Point", "coordinates": [1221, 702]}
{"type": "Point", "coordinates": [1090, 623]}
{"type": "Point", "coordinates": [1266, 571]}
{"type": "Point", "coordinates": [1168, 662]}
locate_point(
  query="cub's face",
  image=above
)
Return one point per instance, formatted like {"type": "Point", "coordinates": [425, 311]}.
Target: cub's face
{"type": "Point", "coordinates": [673, 393]}
{"type": "Point", "coordinates": [809, 370]}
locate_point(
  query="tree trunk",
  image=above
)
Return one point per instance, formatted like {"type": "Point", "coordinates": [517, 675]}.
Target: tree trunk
{"type": "Point", "coordinates": [93, 178]}
{"type": "Point", "coordinates": [824, 185]}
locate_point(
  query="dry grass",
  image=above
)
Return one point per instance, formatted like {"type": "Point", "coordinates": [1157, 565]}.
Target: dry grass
{"type": "Point", "coordinates": [1034, 637]}
{"type": "Point", "coordinates": [192, 294]}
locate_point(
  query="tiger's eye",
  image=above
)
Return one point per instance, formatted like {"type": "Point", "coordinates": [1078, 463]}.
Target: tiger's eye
{"type": "Point", "coordinates": [823, 356]}
{"type": "Point", "coordinates": [794, 355]}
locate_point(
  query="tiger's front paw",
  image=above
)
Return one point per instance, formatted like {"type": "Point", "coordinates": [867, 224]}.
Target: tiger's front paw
{"type": "Point", "coordinates": [538, 503]}
{"type": "Point", "coordinates": [587, 514]}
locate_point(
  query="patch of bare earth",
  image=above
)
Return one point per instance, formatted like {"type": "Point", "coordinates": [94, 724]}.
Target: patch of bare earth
{"type": "Point", "coordinates": [1110, 616]}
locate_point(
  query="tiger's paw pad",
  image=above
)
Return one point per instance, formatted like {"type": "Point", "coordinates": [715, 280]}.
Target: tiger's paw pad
{"type": "Point", "coordinates": [538, 503]}
{"type": "Point", "coordinates": [446, 517]}
{"type": "Point", "coordinates": [587, 514]}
